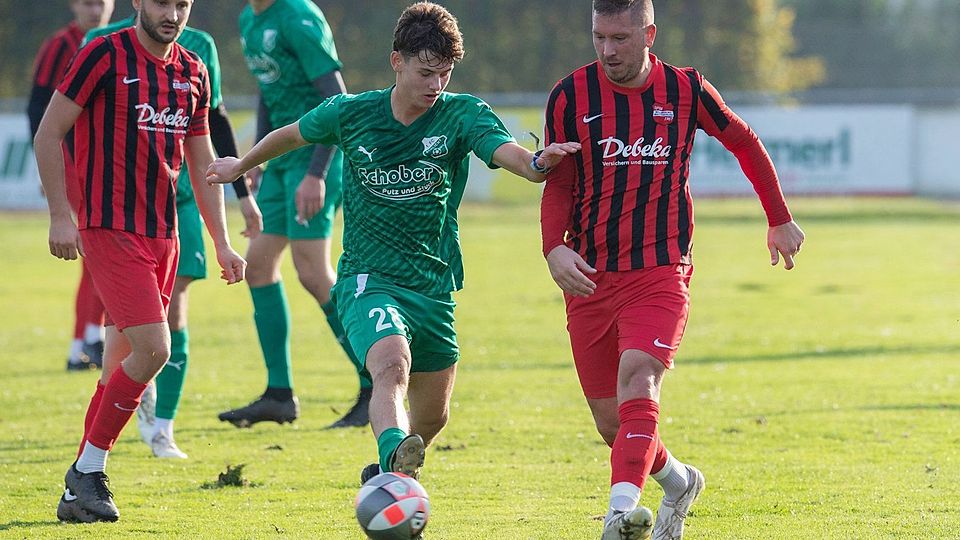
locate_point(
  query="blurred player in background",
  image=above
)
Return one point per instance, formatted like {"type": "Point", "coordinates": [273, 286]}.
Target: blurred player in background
{"type": "Point", "coordinates": [160, 401]}
{"type": "Point", "coordinates": [86, 349]}
{"type": "Point", "coordinates": [408, 148]}
{"type": "Point", "coordinates": [289, 49]}
{"type": "Point", "coordinates": [617, 233]}
{"type": "Point", "coordinates": [139, 103]}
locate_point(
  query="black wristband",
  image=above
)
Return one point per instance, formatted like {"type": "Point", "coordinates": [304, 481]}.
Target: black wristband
{"type": "Point", "coordinates": [537, 168]}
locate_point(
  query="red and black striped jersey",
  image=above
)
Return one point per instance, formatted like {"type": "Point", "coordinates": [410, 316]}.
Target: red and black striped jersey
{"type": "Point", "coordinates": [137, 111]}
{"type": "Point", "coordinates": [623, 202]}
{"type": "Point", "coordinates": [54, 56]}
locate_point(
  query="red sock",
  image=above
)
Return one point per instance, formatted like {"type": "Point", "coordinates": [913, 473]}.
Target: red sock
{"type": "Point", "coordinates": [89, 308]}
{"type": "Point", "coordinates": [92, 409]}
{"type": "Point", "coordinates": [635, 448]}
{"type": "Point", "coordinates": [121, 397]}
{"type": "Point", "coordinates": [661, 457]}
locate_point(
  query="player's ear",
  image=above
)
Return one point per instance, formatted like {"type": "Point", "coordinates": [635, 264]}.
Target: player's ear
{"type": "Point", "coordinates": [650, 35]}
{"type": "Point", "coordinates": [396, 61]}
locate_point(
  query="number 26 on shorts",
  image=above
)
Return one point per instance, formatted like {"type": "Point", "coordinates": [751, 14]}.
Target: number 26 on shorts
{"type": "Point", "coordinates": [380, 314]}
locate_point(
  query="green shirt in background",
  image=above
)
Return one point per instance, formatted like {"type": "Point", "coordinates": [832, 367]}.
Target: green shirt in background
{"type": "Point", "coordinates": [193, 40]}
{"type": "Point", "coordinates": [402, 185]}
{"type": "Point", "coordinates": [288, 46]}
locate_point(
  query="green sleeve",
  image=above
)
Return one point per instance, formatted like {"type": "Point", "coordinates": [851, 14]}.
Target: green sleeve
{"type": "Point", "coordinates": [487, 133]}
{"type": "Point", "coordinates": [208, 53]}
{"type": "Point", "coordinates": [311, 41]}
{"type": "Point", "coordinates": [94, 33]}
{"type": "Point", "coordinates": [322, 124]}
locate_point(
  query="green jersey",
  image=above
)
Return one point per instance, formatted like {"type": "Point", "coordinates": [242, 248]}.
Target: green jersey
{"type": "Point", "coordinates": [193, 40]}
{"type": "Point", "coordinates": [402, 185]}
{"type": "Point", "coordinates": [288, 46]}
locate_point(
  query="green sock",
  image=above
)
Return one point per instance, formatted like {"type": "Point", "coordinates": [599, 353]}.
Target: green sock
{"type": "Point", "coordinates": [272, 318]}
{"type": "Point", "coordinates": [387, 442]}
{"type": "Point", "coordinates": [171, 377]}
{"type": "Point", "coordinates": [338, 332]}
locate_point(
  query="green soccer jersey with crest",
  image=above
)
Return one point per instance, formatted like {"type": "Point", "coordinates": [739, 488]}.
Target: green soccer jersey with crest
{"type": "Point", "coordinates": [402, 185]}
{"type": "Point", "coordinates": [193, 40]}
{"type": "Point", "coordinates": [287, 46]}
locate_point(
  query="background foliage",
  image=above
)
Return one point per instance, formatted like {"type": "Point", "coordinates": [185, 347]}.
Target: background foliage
{"type": "Point", "coordinates": [511, 46]}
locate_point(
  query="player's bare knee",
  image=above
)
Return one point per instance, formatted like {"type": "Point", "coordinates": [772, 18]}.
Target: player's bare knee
{"type": "Point", "coordinates": [639, 376]}
{"type": "Point", "coordinates": [317, 284]}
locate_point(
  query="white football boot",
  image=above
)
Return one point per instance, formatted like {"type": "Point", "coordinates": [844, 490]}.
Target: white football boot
{"type": "Point", "coordinates": [163, 446]}
{"type": "Point", "coordinates": [633, 525]}
{"type": "Point", "coordinates": [670, 517]}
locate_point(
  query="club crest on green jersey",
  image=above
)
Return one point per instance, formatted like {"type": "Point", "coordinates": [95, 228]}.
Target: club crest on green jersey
{"type": "Point", "coordinates": [269, 39]}
{"type": "Point", "coordinates": [435, 147]}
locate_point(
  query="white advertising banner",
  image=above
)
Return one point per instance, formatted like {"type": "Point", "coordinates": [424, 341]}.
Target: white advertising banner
{"type": "Point", "coordinates": [818, 150]}
{"type": "Point", "coordinates": [19, 181]}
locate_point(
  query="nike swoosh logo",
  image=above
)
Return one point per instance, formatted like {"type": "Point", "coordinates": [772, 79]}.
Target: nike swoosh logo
{"type": "Point", "coordinates": [130, 81]}
{"type": "Point", "coordinates": [588, 119]}
{"type": "Point", "coordinates": [117, 405]}
{"type": "Point", "coordinates": [68, 495]}
{"type": "Point", "coordinates": [638, 436]}
{"type": "Point", "coordinates": [662, 345]}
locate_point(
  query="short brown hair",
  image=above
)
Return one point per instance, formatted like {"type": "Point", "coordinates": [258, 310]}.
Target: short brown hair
{"type": "Point", "coordinates": [637, 8]}
{"type": "Point", "coordinates": [426, 27]}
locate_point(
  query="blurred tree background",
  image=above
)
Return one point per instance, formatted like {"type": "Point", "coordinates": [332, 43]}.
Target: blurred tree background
{"type": "Point", "coordinates": [761, 45]}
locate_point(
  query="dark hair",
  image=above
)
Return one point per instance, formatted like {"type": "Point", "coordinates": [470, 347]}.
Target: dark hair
{"type": "Point", "coordinates": [637, 8]}
{"type": "Point", "coordinates": [426, 27]}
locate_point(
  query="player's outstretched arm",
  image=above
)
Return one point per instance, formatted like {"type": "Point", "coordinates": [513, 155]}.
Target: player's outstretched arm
{"type": "Point", "coordinates": [784, 240]}
{"type": "Point", "coordinates": [518, 160]}
{"type": "Point", "coordinates": [276, 143]}
{"type": "Point", "coordinates": [200, 156]}
{"type": "Point", "coordinates": [62, 113]}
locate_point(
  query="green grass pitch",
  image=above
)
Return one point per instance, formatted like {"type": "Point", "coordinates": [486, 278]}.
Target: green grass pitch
{"type": "Point", "coordinates": [820, 403]}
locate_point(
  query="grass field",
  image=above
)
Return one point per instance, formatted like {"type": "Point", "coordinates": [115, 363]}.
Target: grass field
{"type": "Point", "coordinates": [820, 403]}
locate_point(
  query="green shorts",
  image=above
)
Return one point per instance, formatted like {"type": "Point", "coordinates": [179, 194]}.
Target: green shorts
{"type": "Point", "coordinates": [371, 309]}
{"type": "Point", "coordinates": [278, 203]}
{"type": "Point", "coordinates": [193, 254]}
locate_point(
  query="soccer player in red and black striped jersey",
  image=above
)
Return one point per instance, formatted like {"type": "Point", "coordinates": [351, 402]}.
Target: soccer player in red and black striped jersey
{"type": "Point", "coordinates": [617, 224]}
{"type": "Point", "coordinates": [138, 103]}
{"type": "Point", "coordinates": [49, 67]}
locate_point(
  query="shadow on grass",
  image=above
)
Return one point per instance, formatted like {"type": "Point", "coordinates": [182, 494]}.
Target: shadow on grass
{"type": "Point", "coordinates": [852, 216]}
{"type": "Point", "coordinates": [27, 524]}
{"type": "Point", "coordinates": [912, 407]}
{"type": "Point", "coordinates": [824, 354]}
{"type": "Point", "coordinates": [761, 418]}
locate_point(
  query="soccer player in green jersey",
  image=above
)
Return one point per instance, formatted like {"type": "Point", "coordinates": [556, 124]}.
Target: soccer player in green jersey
{"type": "Point", "coordinates": [407, 149]}
{"type": "Point", "coordinates": [289, 48]}
{"type": "Point", "coordinates": [160, 401]}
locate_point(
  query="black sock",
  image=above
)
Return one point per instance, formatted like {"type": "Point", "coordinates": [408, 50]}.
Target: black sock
{"type": "Point", "coordinates": [278, 394]}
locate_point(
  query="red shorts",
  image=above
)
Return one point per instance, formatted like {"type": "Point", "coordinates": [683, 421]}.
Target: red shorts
{"type": "Point", "coordinates": [642, 309]}
{"type": "Point", "coordinates": [133, 274]}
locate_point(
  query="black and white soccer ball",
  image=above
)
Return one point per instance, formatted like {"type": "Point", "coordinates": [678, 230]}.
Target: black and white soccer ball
{"type": "Point", "coordinates": [392, 506]}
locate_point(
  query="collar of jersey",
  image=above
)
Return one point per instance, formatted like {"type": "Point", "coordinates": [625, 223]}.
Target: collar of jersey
{"type": "Point", "coordinates": [656, 68]}
{"type": "Point", "coordinates": [387, 110]}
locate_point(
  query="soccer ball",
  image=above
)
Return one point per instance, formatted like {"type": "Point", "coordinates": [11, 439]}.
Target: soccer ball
{"type": "Point", "coordinates": [392, 506]}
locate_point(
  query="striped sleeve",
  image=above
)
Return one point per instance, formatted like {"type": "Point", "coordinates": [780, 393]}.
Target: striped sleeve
{"type": "Point", "coordinates": [87, 73]}
{"type": "Point", "coordinates": [556, 205]}
{"type": "Point", "coordinates": [200, 121]}
{"type": "Point", "coordinates": [50, 62]}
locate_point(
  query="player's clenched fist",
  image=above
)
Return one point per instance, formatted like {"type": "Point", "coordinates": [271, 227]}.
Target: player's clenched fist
{"type": "Point", "coordinates": [224, 170]}
{"type": "Point", "coordinates": [232, 265]}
